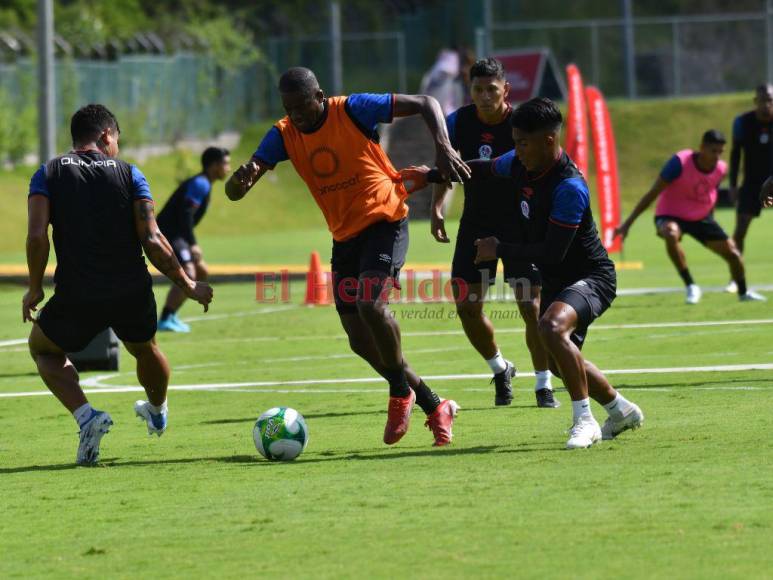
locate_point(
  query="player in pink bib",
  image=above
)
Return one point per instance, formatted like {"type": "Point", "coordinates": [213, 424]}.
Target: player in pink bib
{"type": "Point", "coordinates": [686, 190]}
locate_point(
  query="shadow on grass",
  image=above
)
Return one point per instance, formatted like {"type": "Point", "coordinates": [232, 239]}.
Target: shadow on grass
{"type": "Point", "coordinates": [325, 457]}
{"type": "Point", "coordinates": [305, 416]}
{"type": "Point", "coordinates": [17, 375]}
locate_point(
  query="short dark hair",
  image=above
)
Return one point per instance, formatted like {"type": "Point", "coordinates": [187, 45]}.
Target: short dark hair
{"type": "Point", "coordinates": [487, 67]}
{"type": "Point", "coordinates": [763, 88]}
{"type": "Point", "coordinates": [538, 114]}
{"type": "Point", "coordinates": [713, 137]}
{"type": "Point", "coordinates": [298, 80]}
{"type": "Point", "coordinates": [213, 155]}
{"type": "Point", "coordinates": [90, 121]}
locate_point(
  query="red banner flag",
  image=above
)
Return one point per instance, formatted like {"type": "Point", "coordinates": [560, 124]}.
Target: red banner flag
{"type": "Point", "coordinates": [605, 151]}
{"type": "Point", "coordinates": [576, 144]}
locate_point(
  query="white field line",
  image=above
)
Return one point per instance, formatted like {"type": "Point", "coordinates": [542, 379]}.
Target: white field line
{"type": "Point", "coordinates": [241, 314]}
{"type": "Point", "coordinates": [270, 386]}
{"type": "Point", "coordinates": [341, 336]}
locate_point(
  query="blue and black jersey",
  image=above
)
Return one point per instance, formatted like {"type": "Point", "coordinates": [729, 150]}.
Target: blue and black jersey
{"type": "Point", "coordinates": [92, 199]}
{"type": "Point", "coordinates": [556, 200]}
{"type": "Point", "coordinates": [751, 137]}
{"type": "Point", "coordinates": [489, 203]}
{"type": "Point", "coordinates": [185, 208]}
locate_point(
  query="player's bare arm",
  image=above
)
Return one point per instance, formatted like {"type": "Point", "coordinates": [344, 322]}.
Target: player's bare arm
{"type": "Point", "coordinates": [448, 160]}
{"type": "Point", "coordinates": [38, 217]}
{"type": "Point", "coordinates": [161, 255]}
{"type": "Point", "coordinates": [646, 201]}
{"type": "Point", "coordinates": [243, 179]}
{"type": "Point", "coordinates": [437, 220]}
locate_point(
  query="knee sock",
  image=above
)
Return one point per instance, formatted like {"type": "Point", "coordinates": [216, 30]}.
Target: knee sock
{"type": "Point", "coordinates": [426, 398]}
{"type": "Point", "coordinates": [398, 383]}
{"type": "Point", "coordinates": [686, 276]}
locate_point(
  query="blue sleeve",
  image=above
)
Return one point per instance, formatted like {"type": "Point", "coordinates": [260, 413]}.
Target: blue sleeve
{"type": "Point", "coordinates": [570, 200]}
{"type": "Point", "coordinates": [672, 169]}
{"type": "Point", "coordinates": [503, 165]}
{"type": "Point", "coordinates": [370, 109]}
{"type": "Point", "coordinates": [451, 126]}
{"type": "Point", "coordinates": [738, 129]}
{"type": "Point", "coordinates": [272, 149]}
{"type": "Point", "coordinates": [198, 190]}
{"type": "Point", "coordinates": [141, 187]}
{"type": "Point", "coordinates": [38, 183]}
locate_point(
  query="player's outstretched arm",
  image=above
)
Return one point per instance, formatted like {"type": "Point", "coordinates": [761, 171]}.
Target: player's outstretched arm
{"type": "Point", "coordinates": [646, 201]}
{"type": "Point", "coordinates": [447, 159]}
{"type": "Point", "coordinates": [160, 253]}
{"type": "Point", "coordinates": [243, 179]}
{"type": "Point", "coordinates": [38, 247]}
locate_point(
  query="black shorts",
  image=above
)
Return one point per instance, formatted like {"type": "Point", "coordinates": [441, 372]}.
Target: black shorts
{"type": "Point", "coordinates": [464, 267]}
{"type": "Point", "coordinates": [71, 323]}
{"type": "Point", "coordinates": [378, 252]}
{"type": "Point", "coordinates": [590, 297]}
{"type": "Point", "coordinates": [705, 230]}
{"type": "Point", "coordinates": [182, 249]}
{"type": "Point", "coordinates": [749, 199]}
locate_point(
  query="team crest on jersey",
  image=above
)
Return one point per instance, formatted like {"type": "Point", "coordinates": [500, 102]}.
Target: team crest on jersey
{"type": "Point", "coordinates": [324, 162]}
{"type": "Point", "coordinates": [485, 152]}
{"type": "Point", "coordinates": [525, 209]}
{"type": "Point", "coordinates": [764, 138]}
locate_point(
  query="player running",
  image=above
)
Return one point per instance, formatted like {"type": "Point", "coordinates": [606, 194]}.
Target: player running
{"type": "Point", "coordinates": [686, 190]}
{"type": "Point", "coordinates": [752, 135]}
{"type": "Point", "coordinates": [578, 278]}
{"type": "Point", "coordinates": [181, 213]}
{"type": "Point", "coordinates": [333, 144]}
{"type": "Point", "coordinates": [481, 131]}
{"type": "Point", "coordinates": [101, 214]}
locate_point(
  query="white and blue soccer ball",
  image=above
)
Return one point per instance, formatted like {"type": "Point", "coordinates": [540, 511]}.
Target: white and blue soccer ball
{"type": "Point", "coordinates": [280, 434]}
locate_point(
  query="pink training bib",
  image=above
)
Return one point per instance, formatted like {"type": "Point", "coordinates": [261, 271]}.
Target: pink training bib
{"type": "Point", "coordinates": [692, 195]}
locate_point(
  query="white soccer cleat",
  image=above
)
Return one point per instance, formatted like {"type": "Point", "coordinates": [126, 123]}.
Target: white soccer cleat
{"type": "Point", "coordinates": [633, 420]}
{"type": "Point", "coordinates": [752, 297]}
{"type": "Point", "coordinates": [584, 433]}
{"type": "Point", "coordinates": [156, 423]}
{"type": "Point", "coordinates": [694, 294]}
{"type": "Point", "coordinates": [732, 287]}
{"type": "Point", "coordinates": [90, 436]}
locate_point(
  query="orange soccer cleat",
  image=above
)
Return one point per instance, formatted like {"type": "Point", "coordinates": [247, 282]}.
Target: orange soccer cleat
{"type": "Point", "coordinates": [398, 418]}
{"type": "Point", "coordinates": [441, 421]}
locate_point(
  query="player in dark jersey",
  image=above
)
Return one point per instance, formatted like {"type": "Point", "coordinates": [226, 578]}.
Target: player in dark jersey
{"type": "Point", "coordinates": [482, 131]}
{"type": "Point", "coordinates": [101, 215]}
{"type": "Point", "coordinates": [578, 278]}
{"type": "Point", "coordinates": [183, 212]}
{"type": "Point", "coordinates": [752, 139]}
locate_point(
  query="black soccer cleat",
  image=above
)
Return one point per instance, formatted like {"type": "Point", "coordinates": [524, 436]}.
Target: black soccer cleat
{"type": "Point", "coordinates": [545, 399]}
{"type": "Point", "coordinates": [503, 386]}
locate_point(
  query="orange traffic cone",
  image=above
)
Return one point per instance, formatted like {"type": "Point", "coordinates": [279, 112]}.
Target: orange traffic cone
{"type": "Point", "coordinates": [317, 284]}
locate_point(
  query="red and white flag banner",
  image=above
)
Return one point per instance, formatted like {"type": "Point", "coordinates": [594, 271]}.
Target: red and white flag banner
{"type": "Point", "coordinates": [605, 152]}
{"type": "Point", "coordinates": [576, 144]}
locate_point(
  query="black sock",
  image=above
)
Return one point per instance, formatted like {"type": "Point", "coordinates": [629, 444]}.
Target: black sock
{"type": "Point", "coordinates": [426, 398]}
{"type": "Point", "coordinates": [741, 283]}
{"type": "Point", "coordinates": [686, 276]}
{"type": "Point", "coordinates": [398, 383]}
{"type": "Point", "coordinates": [166, 313]}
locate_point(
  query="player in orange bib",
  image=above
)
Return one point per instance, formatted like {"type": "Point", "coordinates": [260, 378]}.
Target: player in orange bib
{"type": "Point", "coordinates": [333, 144]}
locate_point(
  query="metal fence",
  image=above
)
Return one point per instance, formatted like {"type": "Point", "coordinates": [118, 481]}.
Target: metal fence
{"type": "Point", "coordinates": [370, 62]}
{"type": "Point", "coordinates": [161, 98]}
{"type": "Point", "coordinates": [671, 55]}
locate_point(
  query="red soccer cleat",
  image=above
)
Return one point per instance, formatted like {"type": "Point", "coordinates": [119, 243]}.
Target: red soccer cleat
{"type": "Point", "coordinates": [441, 421]}
{"type": "Point", "coordinates": [398, 418]}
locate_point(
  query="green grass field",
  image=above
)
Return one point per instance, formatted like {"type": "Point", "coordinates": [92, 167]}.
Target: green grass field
{"type": "Point", "coordinates": [689, 495]}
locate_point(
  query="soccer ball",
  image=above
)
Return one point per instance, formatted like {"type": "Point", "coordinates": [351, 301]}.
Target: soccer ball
{"type": "Point", "coordinates": [280, 434]}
